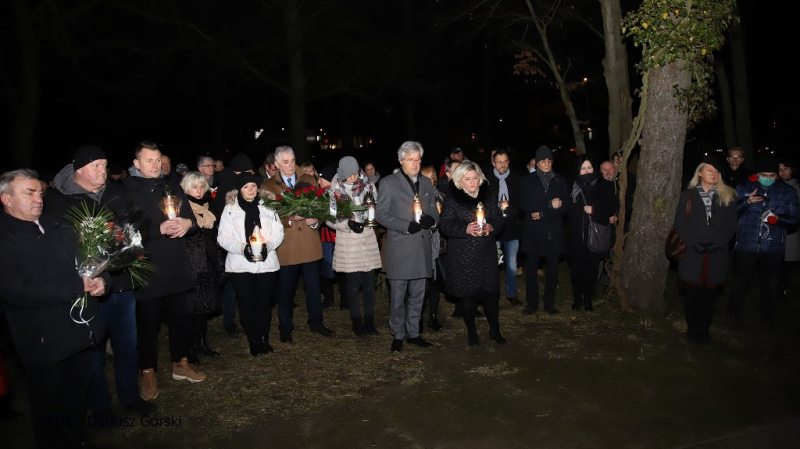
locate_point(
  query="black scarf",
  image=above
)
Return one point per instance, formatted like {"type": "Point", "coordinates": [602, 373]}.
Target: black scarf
{"type": "Point", "coordinates": [545, 178]}
{"type": "Point", "coordinates": [252, 216]}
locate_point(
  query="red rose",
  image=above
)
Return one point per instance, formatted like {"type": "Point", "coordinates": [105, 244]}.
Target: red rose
{"type": "Point", "coordinates": [320, 192]}
{"type": "Point", "coordinates": [110, 225]}
{"type": "Point", "coordinates": [753, 177]}
{"type": "Point", "coordinates": [314, 188]}
{"type": "Point", "coordinates": [306, 190]}
{"type": "Point", "coordinates": [213, 194]}
{"type": "Point", "coordinates": [278, 198]}
{"type": "Point", "coordinates": [297, 194]}
{"type": "Point", "coordinates": [772, 219]}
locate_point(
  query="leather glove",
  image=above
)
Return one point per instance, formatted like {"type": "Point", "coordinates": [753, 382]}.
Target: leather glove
{"type": "Point", "coordinates": [264, 251]}
{"type": "Point", "coordinates": [355, 226]}
{"type": "Point", "coordinates": [426, 222]}
{"type": "Point", "coordinates": [248, 252]}
{"type": "Point", "coordinates": [414, 227]}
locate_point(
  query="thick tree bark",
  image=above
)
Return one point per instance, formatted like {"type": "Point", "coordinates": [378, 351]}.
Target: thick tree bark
{"type": "Point", "coordinates": [25, 96]}
{"type": "Point", "coordinates": [644, 273]}
{"type": "Point", "coordinates": [615, 64]}
{"type": "Point", "coordinates": [297, 81]}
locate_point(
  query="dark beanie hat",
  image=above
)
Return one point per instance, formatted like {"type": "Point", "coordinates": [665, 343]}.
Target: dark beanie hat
{"type": "Point", "coordinates": [241, 162]}
{"type": "Point", "coordinates": [767, 164]}
{"type": "Point", "coordinates": [328, 173]}
{"type": "Point", "coordinates": [245, 177]}
{"type": "Point", "coordinates": [712, 161]}
{"type": "Point", "coordinates": [544, 152]}
{"type": "Point", "coordinates": [87, 154]}
{"type": "Point", "coordinates": [348, 166]}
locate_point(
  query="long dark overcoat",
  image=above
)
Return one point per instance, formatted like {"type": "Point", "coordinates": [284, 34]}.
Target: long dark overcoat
{"type": "Point", "coordinates": [543, 237]}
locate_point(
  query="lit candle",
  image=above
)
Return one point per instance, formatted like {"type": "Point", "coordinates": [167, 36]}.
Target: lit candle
{"type": "Point", "coordinates": [171, 212]}
{"type": "Point", "coordinates": [256, 243]}
{"type": "Point", "coordinates": [503, 203]}
{"type": "Point", "coordinates": [417, 208]}
{"type": "Point", "coordinates": [369, 204]}
{"type": "Point", "coordinates": [438, 204]}
{"type": "Point", "coordinates": [480, 219]}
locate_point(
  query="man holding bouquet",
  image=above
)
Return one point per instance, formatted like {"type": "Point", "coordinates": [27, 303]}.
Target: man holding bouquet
{"type": "Point", "coordinates": [300, 251]}
{"type": "Point", "coordinates": [41, 289]}
{"type": "Point", "coordinates": [83, 182]}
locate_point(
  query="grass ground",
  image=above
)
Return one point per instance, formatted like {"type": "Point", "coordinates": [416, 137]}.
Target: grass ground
{"type": "Point", "coordinates": [577, 379]}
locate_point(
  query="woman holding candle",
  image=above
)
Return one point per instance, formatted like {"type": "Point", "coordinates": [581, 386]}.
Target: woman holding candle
{"type": "Point", "coordinates": [356, 251]}
{"type": "Point", "coordinates": [471, 248]}
{"type": "Point", "coordinates": [207, 264]}
{"type": "Point", "coordinates": [250, 233]}
{"type": "Point", "coordinates": [592, 198]}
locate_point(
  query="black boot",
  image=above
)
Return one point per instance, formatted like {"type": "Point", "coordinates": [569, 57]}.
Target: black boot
{"type": "Point", "coordinates": [265, 346]}
{"type": "Point", "coordinates": [468, 309]}
{"type": "Point", "coordinates": [369, 325]}
{"type": "Point", "coordinates": [256, 347]}
{"type": "Point", "coordinates": [358, 327]}
{"type": "Point", "coordinates": [494, 334]}
{"type": "Point", "coordinates": [433, 323]}
{"type": "Point", "coordinates": [202, 347]}
{"type": "Point", "coordinates": [326, 288]}
{"type": "Point", "coordinates": [341, 281]}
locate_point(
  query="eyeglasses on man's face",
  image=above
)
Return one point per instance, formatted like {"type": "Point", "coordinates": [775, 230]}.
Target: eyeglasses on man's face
{"type": "Point", "coordinates": [735, 157]}
{"type": "Point", "coordinates": [206, 165]}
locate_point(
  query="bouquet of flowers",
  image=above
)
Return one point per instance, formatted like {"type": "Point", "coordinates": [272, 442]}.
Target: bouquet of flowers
{"type": "Point", "coordinates": [106, 245]}
{"type": "Point", "coordinates": [311, 202]}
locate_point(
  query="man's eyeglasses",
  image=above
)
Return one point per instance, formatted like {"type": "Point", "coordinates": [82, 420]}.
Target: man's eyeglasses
{"type": "Point", "coordinates": [413, 161]}
{"type": "Point", "coordinates": [735, 157]}
{"type": "Point", "coordinates": [206, 166]}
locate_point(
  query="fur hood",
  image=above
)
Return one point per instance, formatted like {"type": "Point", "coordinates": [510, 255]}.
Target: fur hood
{"type": "Point", "coordinates": [230, 197]}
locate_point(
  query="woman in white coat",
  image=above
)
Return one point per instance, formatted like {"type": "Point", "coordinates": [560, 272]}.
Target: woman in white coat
{"type": "Point", "coordinates": [253, 274]}
{"type": "Point", "coordinates": [356, 252]}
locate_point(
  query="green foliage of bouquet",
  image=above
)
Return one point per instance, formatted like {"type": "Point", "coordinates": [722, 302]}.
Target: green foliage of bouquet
{"type": "Point", "coordinates": [310, 202]}
{"type": "Point", "coordinates": [105, 245]}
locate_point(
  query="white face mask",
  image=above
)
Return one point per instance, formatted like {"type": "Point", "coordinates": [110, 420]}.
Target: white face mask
{"type": "Point", "coordinates": [531, 170]}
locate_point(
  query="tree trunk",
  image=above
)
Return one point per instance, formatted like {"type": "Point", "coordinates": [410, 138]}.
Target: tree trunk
{"type": "Point", "coordinates": [25, 101]}
{"type": "Point", "coordinates": [297, 81]}
{"type": "Point", "coordinates": [744, 133]}
{"type": "Point", "coordinates": [644, 273]}
{"type": "Point", "coordinates": [615, 64]}
{"type": "Point", "coordinates": [726, 106]}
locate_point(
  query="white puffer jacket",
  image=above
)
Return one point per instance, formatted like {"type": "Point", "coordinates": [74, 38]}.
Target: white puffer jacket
{"type": "Point", "coordinates": [231, 237]}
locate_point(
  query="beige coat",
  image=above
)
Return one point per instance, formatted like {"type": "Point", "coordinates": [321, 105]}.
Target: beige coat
{"type": "Point", "coordinates": [301, 244]}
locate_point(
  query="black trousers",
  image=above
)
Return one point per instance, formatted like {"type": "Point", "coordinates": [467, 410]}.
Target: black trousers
{"type": "Point", "coordinates": [744, 265]}
{"type": "Point", "coordinates": [148, 321]}
{"type": "Point", "coordinates": [583, 273]}
{"type": "Point", "coordinates": [532, 281]}
{"type": "Point", "coordinates": [699, 307]}
{"type": "Point", "coordinates": [362, 282]}
{"type": "Point", "coordinates": [254, 293]}
{"type": "Point", "coordinates": [57, 395]}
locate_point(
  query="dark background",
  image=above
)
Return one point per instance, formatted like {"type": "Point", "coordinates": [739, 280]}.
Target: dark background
{"type": "Point", "coordinates": [116, 78]}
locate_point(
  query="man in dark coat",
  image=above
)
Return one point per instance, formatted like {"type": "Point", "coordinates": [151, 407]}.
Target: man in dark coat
{"type": "Point", "coordinates": [169, 284]}
{"type": "Point", "coordinates": [41, 290]}
{"type": "Point", "coordinates": [506, 188]}
{"type": "Point", "coordinates": [734, 172]}
{"type": "Point", "coordinates": [409, 256]}
{"type": "Point", "coordinates": [544, 194]}
{"type": "Point", "coordinates": [83, 182]}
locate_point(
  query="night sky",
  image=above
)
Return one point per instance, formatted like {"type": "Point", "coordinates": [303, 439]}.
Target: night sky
{"type": "Point", "coordinates": [116, 78]}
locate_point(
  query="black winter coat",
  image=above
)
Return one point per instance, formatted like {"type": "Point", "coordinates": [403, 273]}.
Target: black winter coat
{"type": "Point", "coordinates": [512, 223]}
{"type": "Point", "coordinates": [38, 285]}
{"type": "Point", "coordinates": [172, 274]}
{"type": "Point", "coordinates": [66, 195]}
{"type": "Point", "coordinates": [599, 194]}
{"type": "Point", "coordinates": [543, 237]}
{"type": "Point", "coordinates": [208, 265]}
{"type": "Point", "coordinates": [470, 262]}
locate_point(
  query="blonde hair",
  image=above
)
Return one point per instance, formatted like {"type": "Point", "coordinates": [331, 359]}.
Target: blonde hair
{"type": "Point", "coordinates": [725, 194]}
{"type": "Point", "coordinates": [427, 171]}
{"type": "Point", "coordinates": [191, 178]}
{"type": "Point", "coordinates": [465, 166]}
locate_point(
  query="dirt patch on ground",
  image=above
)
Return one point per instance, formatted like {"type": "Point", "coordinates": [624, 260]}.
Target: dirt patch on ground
{"type": "Point", "coordinates": [600, 379]}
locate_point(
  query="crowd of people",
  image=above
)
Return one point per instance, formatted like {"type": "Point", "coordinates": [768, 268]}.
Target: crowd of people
{"type": "Point", "coordinates": [217, 249]}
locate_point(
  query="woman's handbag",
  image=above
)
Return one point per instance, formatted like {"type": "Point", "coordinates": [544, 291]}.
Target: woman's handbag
{"type": "Point", "coordinates": [599, 238]}
{"type": "Point", "coordinates": [675, 247]}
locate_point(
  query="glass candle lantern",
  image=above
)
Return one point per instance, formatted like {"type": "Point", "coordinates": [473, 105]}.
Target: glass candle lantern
{"type": "Point", "coordinates": [170, 204]}
{"type": "Point", "coordinates": [369, 205]}
{"type": "Point", "coordinates": [417, 208]}
{"type": "Point", "coordinates": [480, 218]}
{"type": "Point", "coordinates": [257, 244]}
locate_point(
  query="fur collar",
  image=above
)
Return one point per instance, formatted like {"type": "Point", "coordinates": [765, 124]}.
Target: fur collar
{"type": "Point", "coordinates": [463, 198]}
